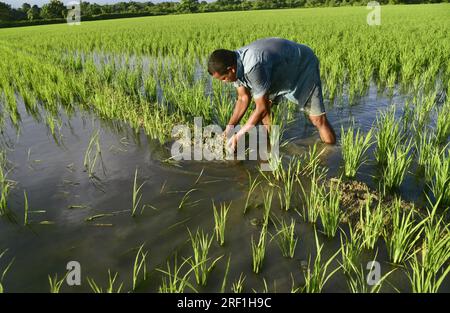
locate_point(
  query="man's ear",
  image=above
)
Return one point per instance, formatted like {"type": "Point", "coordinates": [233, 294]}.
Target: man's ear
{"type": "Point", "coordinates": [232, 69]}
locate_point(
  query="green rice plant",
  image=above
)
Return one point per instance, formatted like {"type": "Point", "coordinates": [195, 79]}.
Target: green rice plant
{"type": "Point", "coordinates": [442, 124]}
{"type": "Point", "coordinates": [238, 285]}
{"type": "Point", "coordinates": [200, 245]}
{"type": "Point", "coordinates": [405, 233]}
{"type": "Point", "coordinates": [350, 250]}
{"type": "Point", "coordinates": [109, 289]}
{"type": "Point", "coordinates": [55, 284]}
{"type": "Point", "coordinates": [259, 250]}
{"type": "Point", "coordinates": [354, 146]}
{"type": "Point", "coordinates": [313, 200]}
{"type": "Point", "coordinates": [311, 161]}
{"type": "Point", "coordinates": [137, 194]}
{"type": "Point", "coordinates": [423, 104]}
{"type": "Point", "coordinates": [440, 181]}
{"type": "Point", "coordinates": [388, 135]}
{"type": "Point", "coordinates": [317, 277]}
{"type": "Point", "coordinates": [370, 222]}
{"type": "Point", "coordinates": [330, 211]}
{"type": "Point", "coordinates": [5, 270]}
{"type": "Point", "coordinates": [185, 198]}
{"type": "Point", "coordinates": [425, 146]}
{"type": "Point", "coordinates": [288, 178]}
{"type": "Point", "coordinates": [91, 156]}
{"type": "Point", "coordinates": [225, 276]}
{"type": "Point", "coordinates": [139, 266]}
{"type": "Point", "coordinates": [252, 186]}
{"type": "Point", "coordinates": [286, 239]}
{"type": "Point", "coordinates": [357, 280]}
{"type": "Point", "coordinates": [397, 164]}
{"type": "Point", "coordinates": [5, 185]}
{"type": "Point", "coordinates": [268, 196]}
{"type": "Point", "coordinates": [25, 219]}
{"type": "Point", "coordinates": [173, 281]}
{"type": "Point", "coordinates": [220, 220]}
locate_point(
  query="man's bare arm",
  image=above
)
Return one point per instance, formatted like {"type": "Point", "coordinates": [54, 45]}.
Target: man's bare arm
{"type": "Point", "coordinates": [242, 103]}
{"type": "Point", "coordinates": [260, 114]}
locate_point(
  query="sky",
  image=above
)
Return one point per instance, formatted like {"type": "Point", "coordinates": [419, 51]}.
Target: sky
{"type": "Point", "coordinates": [18, 4]}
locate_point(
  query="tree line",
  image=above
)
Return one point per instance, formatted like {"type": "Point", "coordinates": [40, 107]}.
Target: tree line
{"type": "Point", "coordinates": [57, 10]}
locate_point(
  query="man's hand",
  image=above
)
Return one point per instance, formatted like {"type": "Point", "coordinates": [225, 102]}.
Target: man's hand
{"type": "Point", "coordinates": [232, 143]}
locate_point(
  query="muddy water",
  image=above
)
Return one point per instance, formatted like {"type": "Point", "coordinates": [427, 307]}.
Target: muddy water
{"type": "Point", "coordinates": [54, 177]}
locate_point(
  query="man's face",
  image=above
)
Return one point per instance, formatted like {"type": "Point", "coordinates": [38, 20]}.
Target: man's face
{"type": "Point", "coordinates": [230, 76]}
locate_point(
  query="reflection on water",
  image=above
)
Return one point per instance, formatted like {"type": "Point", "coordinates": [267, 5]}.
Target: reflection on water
{"type": "Point", "coordinates": [89, 219]}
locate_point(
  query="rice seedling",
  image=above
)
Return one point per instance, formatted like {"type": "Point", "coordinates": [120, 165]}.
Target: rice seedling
{"type": "Point", "coordinates": [330, 211]}
{"type": "Point", "coordinates": [388, 135]}
{"type": "Point", "coordinates": [350, 250]}
{"type": "Point", "coordinates": [370, 222]}
{"type": "Point", "coordinates": [311, 161]}
{"type": "Point", "coordinates": [442, 124]}
{"type": "Point", "coordinates": [5, 270]}
{"type": "Point", "coordinates": [4, 184]}
{"type": "Point", "coordinates": [252, 186]}
{"type": "Point", "coordinates": [55, 284]}
{"type": "Point", "coordinates": [238, 285]}
{"type": "Point", "coordinates": [139, 266]}
{"type": "Point", "coordinates": [405, 233]}
{"type": "Point", "coordinates": [354, 146]}
{"type": "Point", "coordinates": [286, 191]}
{"type": "Point", "coordinates": [137, 194]}
{"type": "Point", "coordinates": [224, 282]}
{"type": "Point", "coordinates": [200, 245]}
{"type": "Point", "coordinates": [25, 219]}
{"type": "Point", "coordinates": [313, 200]}
{"type": "Point", "coordinates": [110, 288]}
{"type": "Point", "coordinates": [91, 155]}
{"type": "Point", "coordinates": [286, 239]}
{"type": "Point", "coordinates": [425, 146]}
{"type": "Point", "coordinates": [173, 281]}
{"type": "Point", "coordinates": [267, 206]}
{"type": "Point", "coordinates": [220, 220]}
{"type": "Point", "coordinates": [397, 163]}
{"type": "Point", "coordinates": [440, 179]}
{"type": "Point", "coordinates": [316, 275]}
{"type": "Point", "coordinates": [259, 250]}
{"type": "Point", "coordinates": [185, 198]}
{"type": "Point", "coordinates": [357, 280]}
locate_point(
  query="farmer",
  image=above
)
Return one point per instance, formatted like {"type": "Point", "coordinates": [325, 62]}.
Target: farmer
{"type": "Point", "coordinates": [268, 69]}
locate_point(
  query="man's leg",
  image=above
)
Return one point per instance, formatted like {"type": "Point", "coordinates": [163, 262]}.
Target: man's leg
{"type": "Point", "coordinates": [326, 131]}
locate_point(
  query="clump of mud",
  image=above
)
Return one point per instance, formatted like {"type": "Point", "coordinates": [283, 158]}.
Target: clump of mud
{"type": "Point", "coordinates": [354, 195]}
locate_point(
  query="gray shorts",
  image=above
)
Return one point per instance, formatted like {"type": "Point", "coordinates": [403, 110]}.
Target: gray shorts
{"type": "Point", "coordinates": [314, 105]}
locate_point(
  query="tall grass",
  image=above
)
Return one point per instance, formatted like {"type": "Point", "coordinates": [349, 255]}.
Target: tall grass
{"type": "Point", "coordinates": [404, 235]}
{"type": "Point", "coordinates": [440, 180]}
{"type": "Point", "coordinates": [354, 146]}
{"type": "Point", "coordinates": [286, 239]}
{"type": "Point", "coordinates": [313, 200]}
{"type": "Point", "coordinates": [259, 250]}
{"type": "Point", "coordinates": [220, 220]}
{"type": "Point", "coordinates": [442, 124]}
{"type": "Point", "coordinates": [200, 245]}
{"type": "Point", "coordinates": [317, 275]}
{"type": "Point", "coordinates": [330, 211]}
{"type": "Point", "coordinates": [370, 222]}
{"type": "Point", "coordinates": [139, 266]}
{"type": "Point", "coordinates": [350, 250]}
{"type": "Point", "coordinates": [397, 164]}
{"type": "Point", "coordinates": [388, 135]}
{"type": "Point", "coordinates": [288, 177]}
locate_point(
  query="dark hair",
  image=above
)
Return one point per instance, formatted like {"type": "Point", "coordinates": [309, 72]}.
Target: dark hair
{"type": "Point", "coordinates": [220, 60]}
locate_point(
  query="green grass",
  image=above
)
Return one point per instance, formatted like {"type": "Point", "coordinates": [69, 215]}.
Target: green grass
{"type": "Point", "coordinates": [317, 274]}
{"type": "Point", "coordinates": [173, 280]}
{"type": "Point", "coordinates": [350, 250]}
{"type": "Point", "coordinates": [354, 146]}
{"type": "Point", "coordinates": [252, 184]}
{"type": "Point", "coordinates": [110, 287]}
{"type": "Point", "coordinates": [442, 124]}
{"type": "Point", "coordinates": [25, 218]}
{"type": "Point", "coordinates": [238, 285]}
{"type": "Point", "coordinates": [404, 235]}
{"type": "Point", "coordinates": [259, 250]}
{"type": "Point", "coordinates": [55, 283]}
{"type": "Point", "coordinates": [313, 199]}
{"type": "Point", "coordinates": [371, 222]}
{"type": "Point", "coordinates": [5, 270]}
{"type": "Point", "coordinates": [139, 266]}
{"type": "Point", "coordinates": [288, 178]}
{"type": "Point", "coordinates": [330, 211]}
{"type": "Point", "coordinates": [220, 221]}
{"type": "Point", "coordinates": [440, 179]}
{"type": "Point", "coordinates": [286, 238]}
{"type": "Point", "coordinates": [137, 195]}
{"type": "Point", "coordinates": [201, 243]}
{"type": "Point", "coordinates": [398, 161]}
{"type": "Point", "coordinates": [387, 136]}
